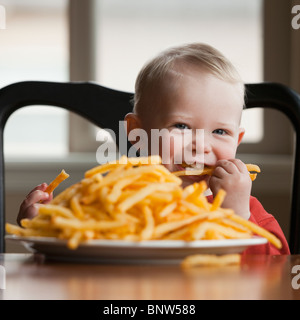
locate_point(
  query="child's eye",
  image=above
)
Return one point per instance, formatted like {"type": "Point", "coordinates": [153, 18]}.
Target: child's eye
{"type": "Point", "coordinates": [220, 131]}
{"type": "Point", "coordinates": [181, 126]}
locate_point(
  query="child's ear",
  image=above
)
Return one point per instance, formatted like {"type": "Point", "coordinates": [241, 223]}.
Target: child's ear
{"type": "Point", "coordinates": [133, 122]}
{"type": "Point", "coordinates": [241, 135]}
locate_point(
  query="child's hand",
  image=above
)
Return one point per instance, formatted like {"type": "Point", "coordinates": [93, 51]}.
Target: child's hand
{"type": "Point", "coordinates": [29, 207]}
{"type": "Point", "coordinates": [233, 177]}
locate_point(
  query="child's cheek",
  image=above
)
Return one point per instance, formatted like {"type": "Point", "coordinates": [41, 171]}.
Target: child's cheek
{"type": "Point", "coordinates": [225, 152]}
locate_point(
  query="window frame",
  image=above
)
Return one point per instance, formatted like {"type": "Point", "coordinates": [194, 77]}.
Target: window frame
{"type": "Point", "coordinates": [281, 49]}
{"type": "Point", "coordinates": [83, 61]}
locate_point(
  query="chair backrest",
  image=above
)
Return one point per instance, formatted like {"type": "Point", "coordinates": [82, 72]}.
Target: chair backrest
{"type": "Point", "coordinates": [282, 98]}
{"type": "Point", "coordinates": [106, 107]}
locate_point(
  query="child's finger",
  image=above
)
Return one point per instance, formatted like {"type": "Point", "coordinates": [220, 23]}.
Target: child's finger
{"type": "Point", "coordinates": [49, 199]}
{"type": "Point", "coordinates": [240, 165]}
{"type": "Point", "coordinates": [32, 211]}
{"type": "Point", "coordinates": [38, 196]}
{"type": "Point", "coordinates": [34, 197]}
{"type": "Point", "coordinates": [41, 187]}
{"type": "Point", "coordinates": [224, 167]}
{"type": "Point", "coordinates": [28, 213]}
{"type": "Point", "coordinates": [232, 166]}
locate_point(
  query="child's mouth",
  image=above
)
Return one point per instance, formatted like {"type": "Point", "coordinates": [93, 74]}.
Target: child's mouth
{"type": "Point", "coordinates": [193, 167]}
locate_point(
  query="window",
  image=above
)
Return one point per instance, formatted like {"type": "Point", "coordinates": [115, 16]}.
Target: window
{"type": "Point", "coordinates": [131, 32]}
{"type": "Point", "coordinates": [34, 46]}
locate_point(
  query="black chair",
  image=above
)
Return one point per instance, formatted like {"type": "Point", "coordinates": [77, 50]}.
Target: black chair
{"type": "Point", "coordinates": [106, 107]}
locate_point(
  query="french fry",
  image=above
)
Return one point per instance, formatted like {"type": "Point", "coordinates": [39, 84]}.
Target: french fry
{"type": "Point", "coordinates": [209, 170]}
{"type": "Point", "coordinates": [208, 260]}
{"type": "Point", "coordinates": [253, 167]}
{"type": "Point", "coordinates": [85, 225]}
{"type": "Point", "coordinates": [75, 206]}
{"type": "Point", "coordinates": [168, 227]}
{"type": "Point", "coordinates": [218, 200]}
{"type": "Point", "coordinates": [143, 193]}
{"type": "Point", "coordinates": [257, 230]}
{"type": "Point", "coordinates": [123, 160]}
{"type": "Point", "coordinates": [131, 200]}
{"type": "Point", "coordinates": [170, 207]}
{"type": "Point", "coordinates": [147, 232]}
{"type": "Point", "coordinates": [56, 210]}
{"type": "Point", "coordinates": [55, 183]}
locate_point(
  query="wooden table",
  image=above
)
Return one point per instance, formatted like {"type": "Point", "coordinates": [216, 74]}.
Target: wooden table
{"type": "Point", "coordinates": [29, 276]}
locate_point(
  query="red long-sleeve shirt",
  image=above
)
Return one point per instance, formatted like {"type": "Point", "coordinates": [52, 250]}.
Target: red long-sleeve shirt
{"type": "Point", "coordinates": [265, 220]}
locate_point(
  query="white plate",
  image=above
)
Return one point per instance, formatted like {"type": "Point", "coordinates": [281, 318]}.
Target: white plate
{"type": "Point", "coordinates": [117, 251]}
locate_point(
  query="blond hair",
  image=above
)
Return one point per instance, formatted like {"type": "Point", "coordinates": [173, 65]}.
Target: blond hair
{"type": "Point", "coordinates": [196, 54]}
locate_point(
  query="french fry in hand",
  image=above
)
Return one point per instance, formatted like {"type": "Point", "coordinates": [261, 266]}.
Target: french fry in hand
{"type": "Point", "coordinates": [57, 181]}
{"type": "Point", "coordinates": [209, 170]}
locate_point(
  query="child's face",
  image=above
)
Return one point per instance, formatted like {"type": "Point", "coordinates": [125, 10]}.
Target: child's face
{"type": "Point", "coordinates": [198, 100]}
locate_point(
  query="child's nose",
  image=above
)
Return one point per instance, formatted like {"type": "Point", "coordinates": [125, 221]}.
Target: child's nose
{"type": "Point", "coordinates": [203, 144]}
{"type": "Point", "coordinates": [207, 145]}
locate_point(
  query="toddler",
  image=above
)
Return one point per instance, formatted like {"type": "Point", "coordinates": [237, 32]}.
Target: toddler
{"type": "Point", "coordinates": [184, 89]}
{"type": "Point", "coordinates": [194, 87]}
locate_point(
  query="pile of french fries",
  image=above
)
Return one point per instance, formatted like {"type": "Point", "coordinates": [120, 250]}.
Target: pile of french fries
{"type": "Point", "coordinates": [133, 200]}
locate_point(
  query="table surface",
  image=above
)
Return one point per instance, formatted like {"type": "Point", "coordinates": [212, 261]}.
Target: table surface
{"type": "Point", "coordinates": [30, 276]}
